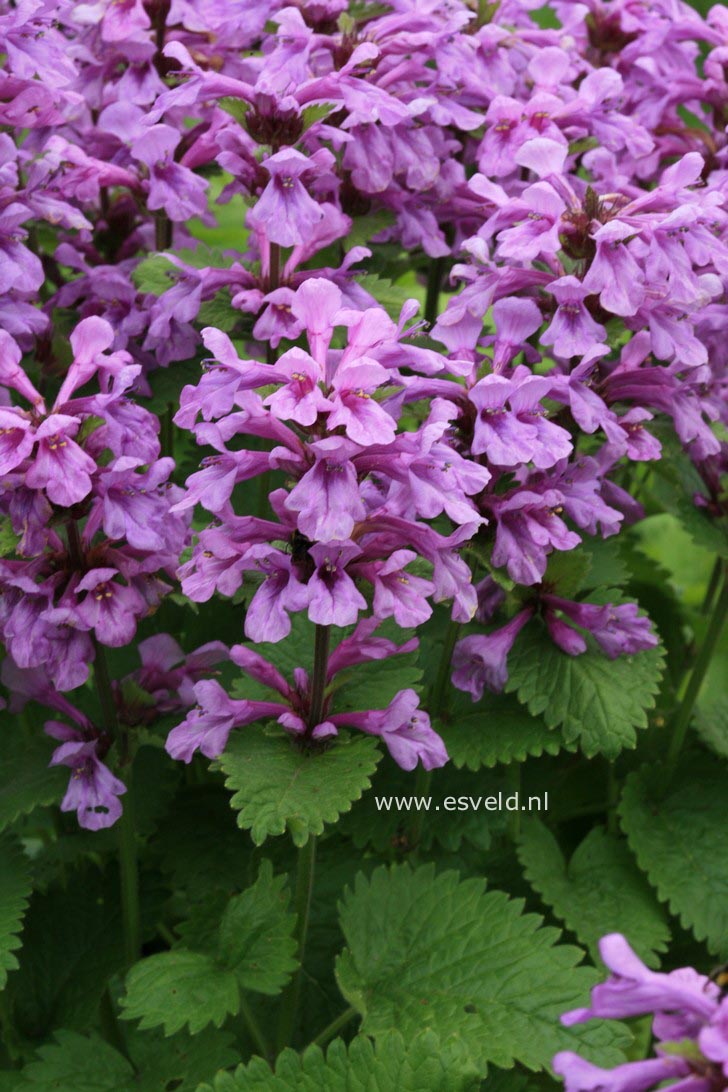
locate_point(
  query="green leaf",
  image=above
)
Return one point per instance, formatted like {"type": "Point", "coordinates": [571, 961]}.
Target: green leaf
{"type": "Point", "coordinates": [180, 1061]}
{"type": "Point", "coordinates": [218, 312]}
{"type": "Point", "coordinates": [72, 944]}
{"type": "Point", "coordinates": [679, 839]}
{"type": "Point", "coordinates": [86, 1063]}
{"type": "Point", "coordinates": [174, 989]}
{"type": "Point", "coordinates": [427, 949]}
{"type": "Point", "coordinates": [237, 108]}
{"type": "Point", "coordinates": [495, 729]}
{"type": "Point", "coordinates": [596, 701]}
{"type": "Point", "coordinates": [8, 539]}
{"type": "Point", "coordinates": [600, 891]}
{"type": "Point", "coordinates": [392, 1064]}
{"type": "Point", "coordinates": [26, 779]}
{"type": "Point", "coordinates": [15, 888]}
{"type": "Point", "coordinates": [79, 1062]}
{"type": "Point", "coordinates": [315, 113]}
{"type": "Point", "coordinates": [373, 685]}
{"type": "Point", "coordinates": [256, 934]}
{"type": "Point", "coordinates": [391, 297]}
{"type": "Point", "coordinates": [364, 227]}
{"type": "Point", "coordinates": [155, 274]}
{"type": "Point", "coordinates": [277, 785]}
{"type": "Point", "coordinates": [167, 384]}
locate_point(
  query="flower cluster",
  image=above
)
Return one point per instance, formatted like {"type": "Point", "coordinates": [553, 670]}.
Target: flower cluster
{"type": "Point", "coordinates": [89, 500]}
{"type": "Point", "coordinates": [577, 173]}
{"type": "Point", "coordinates": [690, 1028]}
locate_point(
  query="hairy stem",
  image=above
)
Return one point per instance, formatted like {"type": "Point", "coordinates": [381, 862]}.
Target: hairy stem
{"type": "Point", "coordinates": [437, 701]}
{"type": "Point", "coordinates": [434, 284]}
{"type": "Point", "coordinates": [128, 865]}
{"type": "Point", "coordinates": [254, 1029]}
{"type": "Point", "coordinates": [684, 711]}
{"type": "Point", "coordinates": [302, 906]}
{"type": "Point", "coordinates": [318, 681]}
{"type": "Point", "coordinates": [163, 231]}
{"type": "Point", "coordinates": [334, 1027]}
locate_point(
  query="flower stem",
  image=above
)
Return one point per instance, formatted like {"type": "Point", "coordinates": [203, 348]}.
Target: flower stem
{"type": "Point", "coordinates": [435, 705]}
{"type": "Point", "coordinates": [684, 712]}
{"type": "Point", "coordinates": [334, 1027]}
{"type": "Point", "coordinates": [163, 231]}
{"type": "Point", "coordinates": [318, 681]}
{"type": "Point", "coordinates": [434, 283]}
{"type": "Point", "coordinates": [254, 1029]}
{"type": "Point", "coordinates": [302, 906]}
{"type": "Point", "coordinates": [128, 866]}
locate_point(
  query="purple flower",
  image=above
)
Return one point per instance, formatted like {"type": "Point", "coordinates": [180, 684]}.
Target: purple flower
{"type": "Point", "coordinates": [266, 618]}
{"type": "Point", "coordinates": [60, 466]}
{"type": "Point", "coordinates": [581, 1076]}
{"type": "Point", "coordinates": [480, 661]}
{"type": "Point", "coordinates": [109, 608]}
{"type": "Point", "coordinates": [334, 597]}
{"type": "Point", "coordinates": [208, 726]}
{"type": "Point", "coordinates": [326, 500]}
{"type": "Point", "coordinates": [300, 399]}
{"type": "Point", "coordinates": [397, 593]}
{"type": "Point", "coordinates": [354, 407]}
{"type": "Point", "coordinates": [618, 628]}
{"type": "Point", "coordinates": [573, 332]}
{"type": "Point", "coordinates": [519, 433]}
{"type": "Point", "coordinates": [93, 791]}
{"type": "Point", "coordinates": [172, 187]}
{"type": "Point", "coordinates": [404, 728]}
{"type": "Point", "coordinates": [285, 212]}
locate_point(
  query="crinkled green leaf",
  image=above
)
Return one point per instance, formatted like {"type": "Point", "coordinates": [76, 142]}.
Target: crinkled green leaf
{"type": "Point", "coordinates": [373, 685]}
{"type": "Point", "coordinates": [15, 887]}
{"type": "Point", "coordinates": [77, 1063]}
{"type": "Point", "coordinates": [256, 934]}
{"type": "Point", "coordinates": [495, 729]}
{"type": "Point", "coordinates": [594, 700]}
{"type": "Point", "coordinates": [155, 274]}
{"type": "Point", "coordinates": [679, 838]}
{"type": "Point", "coordinates": [218, 312]}
{"type": "Point", "coordinates": [180, 1061]}
{"type": "Point", "coordinates": [420, 1065]}
{"type": "Point", "coordinates": [177, 989]}
{"type": "Point", "coordinates": [427, 949]}
{"type": "Point", "coordinates": [364, 227]}
{"type": "Point", "coordinates": [600, 891]}
{"type": "Point", "coordinates": [86, 1063]}
{"type": "Point", "coordinates": [277, 786]}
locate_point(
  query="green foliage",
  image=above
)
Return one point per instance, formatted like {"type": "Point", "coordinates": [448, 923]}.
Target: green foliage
{"type": "Point", "coordinates": [71, 947]}
{"type": "Point", "coordinates": [279, 786]}
{"type": "Point", "coordinates": [79, 1062]}
{"type": "Point", "coordinates": [391, 1064]}
{"type": "Point", "coordinates": [14, 893]}
{"type": "Point", "coordinates": [495, 729]}
{"type": "Point", "coordinates": [86, 1063]}
{"type": "Point", "coordinates": [600, 891]}
{"type": "Point", "coordinates": [467, 963]}
{"type": "Point", "coordinates": [26, 779]}
{"type": "Point", "coordinates": [177, 989]}
{"type": "Point", "coordinates": [678, 834]}
{"type": "Point", "coordinates": [253, 949]}
{"type": "Point", "coordinates": [256, 935]}
{"type": "Point", "coordinates": [596, 701]}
